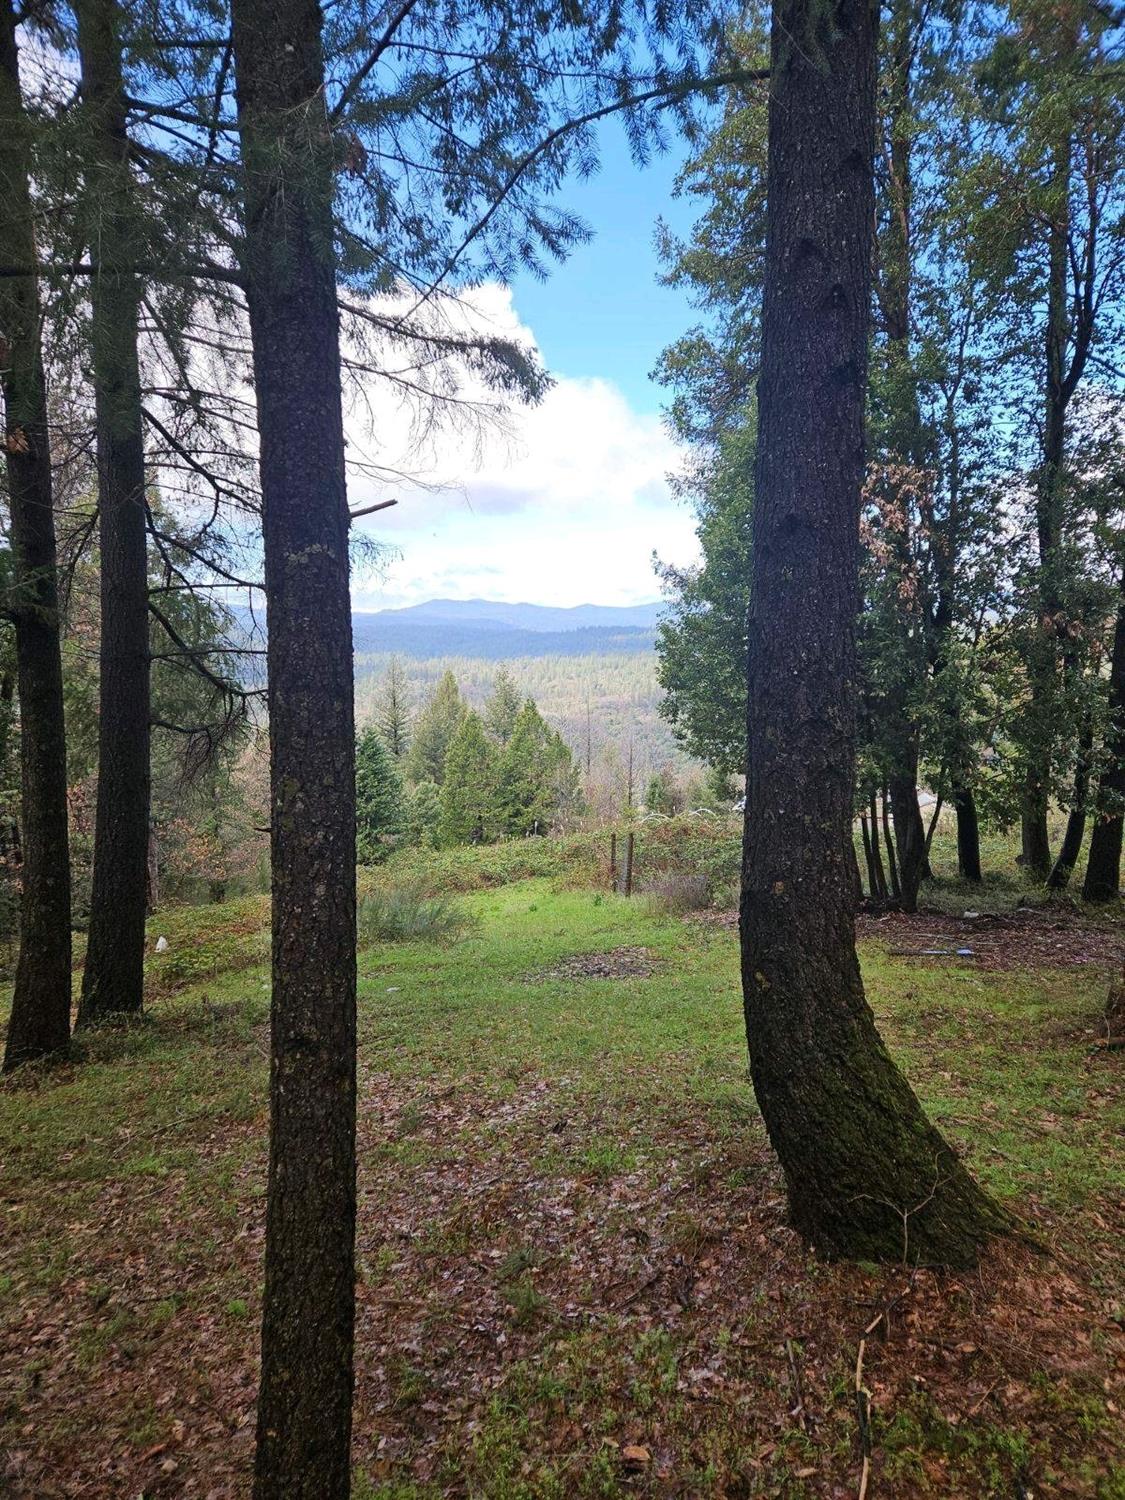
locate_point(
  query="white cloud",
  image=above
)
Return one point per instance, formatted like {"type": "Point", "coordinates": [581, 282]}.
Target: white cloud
{"type": "Point", "coordinates": [563, 503]}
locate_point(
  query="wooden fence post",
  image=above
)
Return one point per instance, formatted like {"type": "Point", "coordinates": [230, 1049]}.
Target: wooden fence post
{"type": "Point", "coordinates": [629, 864]}
{"type": "Point", "coordinates": [613, 861]}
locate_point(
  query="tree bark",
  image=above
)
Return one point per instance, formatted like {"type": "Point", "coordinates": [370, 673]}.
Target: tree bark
{"type": "Point", "coordinates": [1103, 863]}
{"type": "Point", "coordinates": [876, 855]}
{"type": "Point", "coordinates": [304, 1404]}
{"type": "Point", "coordinates": [867, 1174]}
{"type": "Point", "coordinates": [1042, 658]}
{"type": "Point", "coordinates": [39, 1025]}
{"type": "Point", "coordinates": [968, 833]}
{"type": "Point", "coordinates": [1071, 846]}
{"type": "Point", "coordinates": [910, 839]}
{"type": "Point", "coordinates": [113, 980]}
{"type": "Point", "coordinates": [889, 842]}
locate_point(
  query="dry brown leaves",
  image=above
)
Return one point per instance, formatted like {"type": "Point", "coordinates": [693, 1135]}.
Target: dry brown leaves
{"type": "Point", "coordinates": [488, 1249]}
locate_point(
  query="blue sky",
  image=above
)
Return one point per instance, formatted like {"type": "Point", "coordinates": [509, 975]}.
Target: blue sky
{"type": "Point", "coordinates": [603, 312]}
{"type": "Point", "coordinates": [570, 505]}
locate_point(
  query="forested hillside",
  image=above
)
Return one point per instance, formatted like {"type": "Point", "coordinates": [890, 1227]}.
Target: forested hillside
{"type": "Point", "coordinates": [599, 702]}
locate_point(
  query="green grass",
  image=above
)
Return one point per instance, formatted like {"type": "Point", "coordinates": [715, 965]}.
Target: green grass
{"type": "Point", "coordinates": [143, 1162]}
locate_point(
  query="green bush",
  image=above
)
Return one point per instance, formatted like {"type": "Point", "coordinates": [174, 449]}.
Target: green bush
{"type": "Point", "coordinates": [407, 913]}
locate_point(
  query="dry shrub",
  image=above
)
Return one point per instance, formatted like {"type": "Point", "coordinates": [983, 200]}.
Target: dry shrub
{"type": "Point", "coordinates": [676, 892]}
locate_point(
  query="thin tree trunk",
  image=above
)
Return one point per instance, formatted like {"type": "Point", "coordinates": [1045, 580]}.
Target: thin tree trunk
{"type": "Point", "coordinates": [305, 1397]}
{"type": "Point", "coordinates": [932, 828]}
{"type": "Point", "coordinates": [40, 1017]}
{"type": "Point", "coordinates": [113, 980]}
{"type": "Point", "coordinates": [866, 1172]}
{"type": "Point", "coordinates": [869, 858]}
{"type": "Point", "coordinates": [1071, 847]}
{"type": "Point", "coordinates": [889, 842]}
{"type": "Point", "coordinates": [876, 853]}
{"type": "Point", "coordinates": [968, 833]}
{"type": "Point", "coordinates": [1103, 863]}
{"type": "Point", "coordinates": [1042, 658]}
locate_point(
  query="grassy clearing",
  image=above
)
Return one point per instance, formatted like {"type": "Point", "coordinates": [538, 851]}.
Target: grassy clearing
{"type": "Point", "coordinates": [582, 1283]}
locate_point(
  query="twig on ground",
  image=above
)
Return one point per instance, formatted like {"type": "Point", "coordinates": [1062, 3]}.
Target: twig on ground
{"type": "Point", "coordinates": [798, 1392]}
{"type": "Point", "coordinates": [863, 1416]}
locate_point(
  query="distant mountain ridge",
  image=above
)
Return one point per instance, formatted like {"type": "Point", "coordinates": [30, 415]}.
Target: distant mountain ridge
{"type": "Point", "coordinates": [490, 631]}
{"type": "Point", "coordinates": [496, 632]}
{"type": "Point", "coordinates": [490, 614]}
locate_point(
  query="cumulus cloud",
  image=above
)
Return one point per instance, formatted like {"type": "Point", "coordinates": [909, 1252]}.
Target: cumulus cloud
{"type": "Point", "coordinates": [561, 503]}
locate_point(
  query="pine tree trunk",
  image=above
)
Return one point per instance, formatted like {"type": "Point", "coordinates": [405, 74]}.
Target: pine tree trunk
{"type": "Point", "coordinates": [968, 834]}
{"type": "Point", "coordinates": [40, 1017]}
{"type": "Point", "coordinates": [304, 1403]}
{"type": "Point", "coordinates": [867, 1175]}
{"type": "Point", "coordinates": [113, 979]}
{"type": "Point", "coordinates": [1103, 863]}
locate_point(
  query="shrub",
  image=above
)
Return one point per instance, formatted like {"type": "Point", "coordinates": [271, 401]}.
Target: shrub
{"type": "Point", "coordinates": [405, 913]}
{"type": "Point", "coordinates": [679, 891]}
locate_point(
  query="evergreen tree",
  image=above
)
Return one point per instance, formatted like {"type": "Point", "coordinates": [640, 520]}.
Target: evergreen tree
{"type": "Point", "coordinates": [40, 1013]}
{"type": "Point", "coordinates": [434, 730]}
{"type": "Point", "coordinates": [536, 777]}
{"type": "Point", "coordinates": [503, 707]}
{"type": "Point", "coordinates": [379, 811]}
{"type": "Point", "coordinates": [423, 814]}
{"type": "Point", "coordinates": [701, 640]}
{"type": "Point", "coordinates": [839, 1113]}
{"type": "Point", "coordinates": [113, 977]}
{"type": "Point", "coordinates": [523, 795]}
{"type": "Point", "coordinates": [469, 787]}
{"type": "Point", "coordinates": [393, 712]}
{"type": "Point", "coordinates": [287, 177]}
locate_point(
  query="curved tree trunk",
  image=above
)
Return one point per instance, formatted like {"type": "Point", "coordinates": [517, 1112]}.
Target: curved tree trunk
{"type": "Point", "coordinates": [40, 1018]}
{"type": "Point", "coordinates": [113, 979]}
{"type": "Point", "coordinates": [867, 1174]}
{"type": "Point", "coordinates": [1103, 863]}
{"type": "Point", "coordinates": [1071, 846]}
{"type": "Point", "coordinates": [305, 1397]}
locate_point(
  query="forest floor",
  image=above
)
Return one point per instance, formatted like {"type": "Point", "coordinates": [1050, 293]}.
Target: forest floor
{"type": "Point", "coordinates": [575, 1274]}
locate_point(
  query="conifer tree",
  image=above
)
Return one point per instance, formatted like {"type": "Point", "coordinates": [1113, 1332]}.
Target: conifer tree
{"type": "Point", "coordinates": [393, 713]}
{"type": "Point", "coordinates": [40, 1016]}
{"type": "Point", "coordinates": [308, 1311]}
{"type": "Point", "coordinates": [503, 707]}
{"type": "Point", "coordinates": [535, 776]}
{"type": "Point", "coordinates": [866, 1173]}
{"type": "Point", "coordinates": [379, 811]}
{"type": "Point", "coordinates": [423, 814]}
{"type": "Point", "coordinates": [468, 790]}
{"type": "Point", "coordinates": [113, 978]}
{"type": "Point", "coordinates": [434, 730]}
